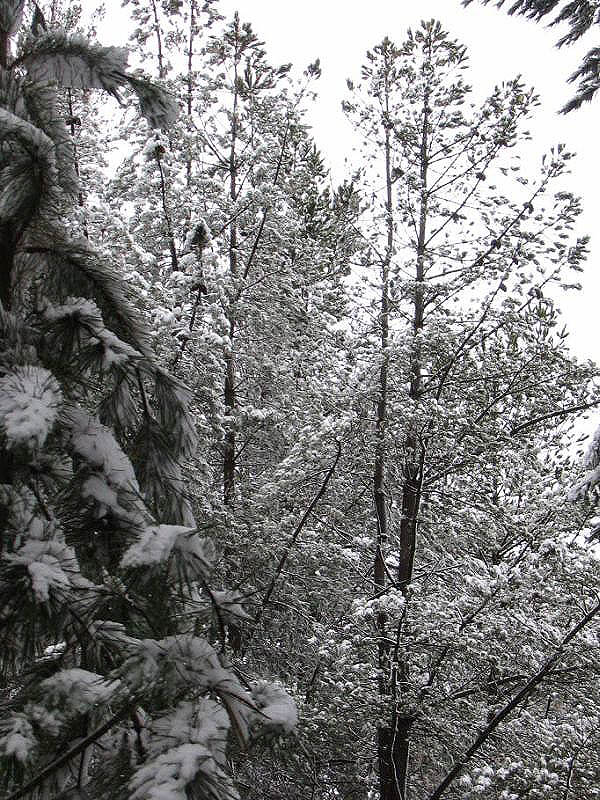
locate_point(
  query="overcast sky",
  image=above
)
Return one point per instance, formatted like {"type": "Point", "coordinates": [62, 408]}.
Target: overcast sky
{"type": "Point", "coordinates": [340, 31]}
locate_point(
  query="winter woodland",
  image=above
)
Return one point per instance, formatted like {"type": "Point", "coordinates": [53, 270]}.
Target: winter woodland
{"type": "Point", "coordinates": [294, 496]}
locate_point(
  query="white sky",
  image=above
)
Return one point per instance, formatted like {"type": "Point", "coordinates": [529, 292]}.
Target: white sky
{"type": "Point", "coordinates": [340, 31]}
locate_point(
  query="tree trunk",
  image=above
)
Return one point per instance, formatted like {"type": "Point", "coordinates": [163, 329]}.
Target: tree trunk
{"type": "Point", "coordinates": [72, 123]}
{"type": "Point", "coordinates": [386, 741]}
{"type": "Point", "coordinates": [230, 437]}
{"type": "Point", "coordinates": [158, 34]}
{"type": "Point", "coordinates": [398, 737]}
{"type": "Point", "coordinates": [190, 82]}
{"type": "Point", "coordinates": [7, 257]}
{"type": "Point", "coordinates": [7, 233]}
{"type": "Point", "coordinates": [229, 387]}
{"type": "Point", "coordinates": [394, 747]}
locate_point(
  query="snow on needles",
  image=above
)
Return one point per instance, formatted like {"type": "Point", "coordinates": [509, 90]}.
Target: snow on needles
{"type": "Point", "coordinates": [17, 737]}
{"type": "Point", "coordinates": [29, 401]}
{"type": "Point", "coordinates": [187, 742]}
{"type": "Point", "coordinates": [97, 446]}
{"type": "Point", "coordinates": [154, 546]}
{"type": "Point", "coordinates": [51, 565]}
{"type": "Point", "coordinates": [277, 709]}
{"type": "Point", "coordinates": [114, 352]}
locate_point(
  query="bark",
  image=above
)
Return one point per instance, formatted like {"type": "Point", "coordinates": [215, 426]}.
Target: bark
{"type": "Point", "coordinates": [157, 31]}
{"type": "Point", "coordinates": [8, 244]}
{"type": "Point", "coordinates": [72, 124]}
{"type": "Point", "coordinates": [7, 234]}
{"type": "Point", "coordinates": [412, 477]}
{"type": "Point", "coordinates": [230, 437]}
{"type": "Point", "coordinates": [394, 749]}
{"type": "Point", "coordinates": [166, 214]}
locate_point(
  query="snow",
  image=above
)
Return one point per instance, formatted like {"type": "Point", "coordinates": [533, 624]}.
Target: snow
{"type": "Point", "coordinates": [112, 484]}
{"type": "Point", "coordinates": [154, 546]}
{"type": "Point", "coordinates": [34, 141]}
{"type": "Point", "coordinates": [30, 398]}
{"type": "Point", "coordinates": [69, 692]}
{"type": "Point", "coordinates": [115, 352]}
{"type": "Point", "coordinates": [50, 564]}
{"type": "Point", "coordinates": [229, 605]}
{"type": "Point", "coordinates": [17, 738]}
{"type": "Point", "coordinates": [582, 487]}
{"type": "Point", "coordinates": [96, 445]}
{"type": "Point", "coordinates": [591, 458]}
{"type": "Point", "coordinates": [166, 777]}
{"type": "Point", "coordinates": [45, 576]}
{"type": "Point", "coordinates": [182, 660]}
{"type": "Point", "coordinates": [198, 236]}
{"type": "Point", "coordinates": [200, 722]}
{"type": "Point", "coordinates": [100, 491]}
{"type": "Point", "coordinates": [78, 688]}
{"type": "Point", "coordinates": [114, 635]}
{"type": "Point", "coordinates": [156, 145]}
{"type": "Point", "coordinates": [74, 306]}
{"type": "Point", "coordinates": [277, 710]}
{"type": "Point", "coordinates": [65, 59]}
{"type": "Point", "coordinates": [190, 740]}
{"type": "Point", "coordinates": [196, 549]}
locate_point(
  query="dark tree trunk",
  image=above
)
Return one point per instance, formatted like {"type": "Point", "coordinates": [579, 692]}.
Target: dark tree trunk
{"type": "Point", "coordinates": [394, 747]}
{"type": "Point", "coordinates": [385, 737]}
{"type": "Point", "coordinates": [394, 741]}
{"type": "Point", "coordinates": [229, 455]}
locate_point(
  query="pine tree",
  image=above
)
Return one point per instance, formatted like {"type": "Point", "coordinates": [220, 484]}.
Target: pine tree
{"type": "Point", "coordinates": [110, 684]}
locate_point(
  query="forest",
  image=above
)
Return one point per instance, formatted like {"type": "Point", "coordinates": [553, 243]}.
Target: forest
{"type": "Point", "coordinates": [297, 497]}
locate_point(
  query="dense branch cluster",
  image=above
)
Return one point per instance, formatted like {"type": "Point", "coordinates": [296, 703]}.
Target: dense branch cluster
{"type": "Point", "coordinates": [291, 502]}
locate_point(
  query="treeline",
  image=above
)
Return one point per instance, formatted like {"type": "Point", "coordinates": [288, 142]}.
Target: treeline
{"type": "Point", "coordinates": [290, 497]}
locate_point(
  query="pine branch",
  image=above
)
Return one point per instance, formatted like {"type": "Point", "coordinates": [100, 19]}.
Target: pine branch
{"type": "Point", "coordinates": [80, 747]}
{"type": "Point", "coordinates": [73, 62]}
{"type": "Point", "coordinates": [78, 257]}
{"type": "Point", "coordinates": [580, 15]}
{"type": "Point", "coordinates": [266, 210]}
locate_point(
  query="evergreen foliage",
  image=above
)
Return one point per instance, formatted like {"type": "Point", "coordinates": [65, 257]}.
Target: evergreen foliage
{"type": "Point", "coordinates": [362, 393]}
{"type": "Point", "coordinates": [111, 686]}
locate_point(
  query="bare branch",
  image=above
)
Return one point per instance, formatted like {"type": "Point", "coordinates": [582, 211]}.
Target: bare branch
{"type": "Point", "coordinates": [296, 534]}
{"type": "Point", "coordinates": [562, 412]}
{"type": "Point", "coordinates": [509, 707]}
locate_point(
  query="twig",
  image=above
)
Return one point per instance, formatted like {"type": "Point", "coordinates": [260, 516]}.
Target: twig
{"type": "Point", "coordinates": [523, 694]}
{"type": "Point", "coordinates": [295, 535]}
